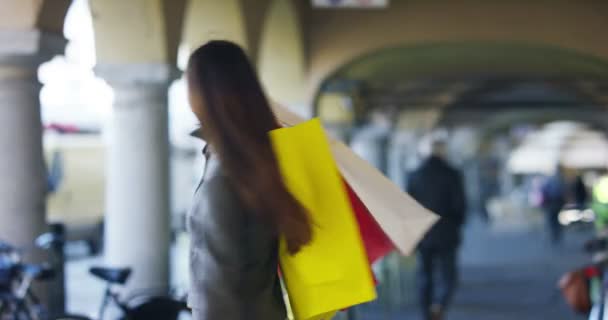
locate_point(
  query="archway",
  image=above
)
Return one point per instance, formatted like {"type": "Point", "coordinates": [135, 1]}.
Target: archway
{"type": "Point", "coordinates": [475, 90]}
{"type": "Point", "coordinates": [438, 75]}
{"type": "Point", "coordinates": [337, 37]}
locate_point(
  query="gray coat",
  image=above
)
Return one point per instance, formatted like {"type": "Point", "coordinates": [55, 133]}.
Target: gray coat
{"type": "Point", "coordinates": [233, 256]}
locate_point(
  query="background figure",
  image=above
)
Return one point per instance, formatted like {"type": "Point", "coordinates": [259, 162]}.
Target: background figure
{"type": "Point", "coordinates": [554, 199]}
{"type": "Point", "coordinates": [489, 186]}
{"type": "Point", "coordinates": [438, 187]}
{"type": "Point", "coordinates": [55, 174]}
{"type": "Point", "coordinates": [579, 193]}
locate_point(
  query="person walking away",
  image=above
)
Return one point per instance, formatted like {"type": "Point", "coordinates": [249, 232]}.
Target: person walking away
{"type": "Point", "coordinates": [242, 207]}
{"type": "Point", "coordinates": [579, 193]}
{"type": "Point", "coordinates": [553, 200]}
{"type": "Point", "coordinates": [438, 187]}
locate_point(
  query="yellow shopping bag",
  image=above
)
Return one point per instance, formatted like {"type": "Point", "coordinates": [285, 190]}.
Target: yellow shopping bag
{"type": "Point", "coordinates": [332, 273]}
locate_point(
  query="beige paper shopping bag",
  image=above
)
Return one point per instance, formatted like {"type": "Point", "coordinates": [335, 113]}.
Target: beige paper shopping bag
{"type": "Point", "coordinates": [402, 219]}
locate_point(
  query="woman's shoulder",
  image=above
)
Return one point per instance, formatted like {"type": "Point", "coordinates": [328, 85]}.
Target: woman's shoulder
{"type": "Point", "coordinates": [213, 173]}
{"type": "Point", "coordinates": [215, 183]}
{"type": "Point", "coordinates": [213, 167]}
{"type": "Point", "coordinates": [216, 201]}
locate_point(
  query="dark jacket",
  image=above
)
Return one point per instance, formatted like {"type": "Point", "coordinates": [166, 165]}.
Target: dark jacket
{"type": "Point", "coordinates": [233, 256]}
{"type": "Point", "coordinates": [554, 194]}
{"type": "Point", "coordinates": [580, 193]}
{"type": "Point", "coordinates": [439, 188]}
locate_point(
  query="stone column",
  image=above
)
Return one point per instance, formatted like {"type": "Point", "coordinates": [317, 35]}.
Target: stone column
{"type": "Point", "coordinates": [137, 220]}
{"type": "Point", "coordinates": [23, 177]}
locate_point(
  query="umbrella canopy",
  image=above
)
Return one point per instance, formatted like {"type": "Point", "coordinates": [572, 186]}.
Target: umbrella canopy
{"type": "Point", "coordinates": [568, 143]}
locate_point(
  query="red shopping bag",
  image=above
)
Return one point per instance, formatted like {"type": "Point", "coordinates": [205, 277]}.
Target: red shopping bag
{"type": "Point", "coordinates": [376, 242]}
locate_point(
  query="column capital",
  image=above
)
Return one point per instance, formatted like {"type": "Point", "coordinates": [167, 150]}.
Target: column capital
{"type": "Point", "coordinates": [22, 52]}
{"type": "Point", "coordinates": [138, 85]}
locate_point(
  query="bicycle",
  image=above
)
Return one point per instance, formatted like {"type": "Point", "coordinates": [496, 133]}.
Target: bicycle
{"type": "Point", "coordinates": [139, 307]}
{"type": "Point", "coordinates": [597, 275]}
{"type": "Point", "coordinates": [17, 300]}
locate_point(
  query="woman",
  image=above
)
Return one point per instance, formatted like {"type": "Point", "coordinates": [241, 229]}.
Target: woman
{"type": "Point", "coordinates": [242, 206]}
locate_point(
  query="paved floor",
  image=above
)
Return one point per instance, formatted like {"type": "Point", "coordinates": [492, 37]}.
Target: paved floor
{"type": "Point", "coordinates": [84, 293]}
{"type": "Point", "coordinates": [505, 275]}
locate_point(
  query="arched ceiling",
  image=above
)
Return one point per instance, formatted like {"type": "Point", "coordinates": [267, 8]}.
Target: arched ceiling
{"type": "Point", "coordinates": [493, 123]}
{"type": "Point", "coordinates": [474, 75]}
{"type": "Point", "coordinates": [471, 60]}
{"type": "Point", "coordinates": [339, 36]}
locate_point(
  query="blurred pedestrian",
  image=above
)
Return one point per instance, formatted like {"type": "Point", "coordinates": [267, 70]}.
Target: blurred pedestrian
{"type": "Point", "coordinates": [554, 194]}
{"type": "Point", "coordinates": [55, 174]}
{"type": "Point", "coordinates": [438, 187]}
{"type": "Point", "coordinates": [242, 206]}
{"type": "Point", "coordinates": [580, 195]}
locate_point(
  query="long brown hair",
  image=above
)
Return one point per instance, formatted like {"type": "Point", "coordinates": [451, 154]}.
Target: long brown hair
{"type": "Point", "coordinates": [236, 117]}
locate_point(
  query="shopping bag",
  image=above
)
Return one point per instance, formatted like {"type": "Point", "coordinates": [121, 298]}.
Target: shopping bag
{"type": "Point", "coordinates": [377, 244]}
{"type": "Point", "coordinates": [575, 289]}
{"type": "Point", "coordinates": [401, 218]}
{"type": "Point", "coordinates": [331, 273]}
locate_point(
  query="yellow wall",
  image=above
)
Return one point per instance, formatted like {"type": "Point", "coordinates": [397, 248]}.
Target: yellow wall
{"type": "Point", "coordinates": [18, 14]}
{"type": "Point", "coordinates": [255, 14]}
{"type": "Point", "coordinates": [214, 20]}
{"type": "Point", "coordinates": [81, 194]}
{"type": "Point", "coordinates": [28, 14]}
{"type": "Point", "coordinates": [130, 31]}
{"type": "Point", "coordinates": [281, 60]}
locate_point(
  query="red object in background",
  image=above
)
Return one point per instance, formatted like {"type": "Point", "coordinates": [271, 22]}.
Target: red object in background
{"type": "Point", "coordinates": [592, 272]}
{"type": "Point", "coordinates": [62, 128]}
{"type": "Point", "coordinates": [375, 241]}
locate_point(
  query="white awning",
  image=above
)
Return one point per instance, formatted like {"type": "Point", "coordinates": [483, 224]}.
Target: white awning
{"type": "Point", "coordinates": [569, 143]}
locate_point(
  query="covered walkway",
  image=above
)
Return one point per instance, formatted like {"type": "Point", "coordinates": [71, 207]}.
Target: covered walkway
{"type": "Point", "coordinates": [485, 73]}
{"type": "Point", "coordinates": [506, 275]}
